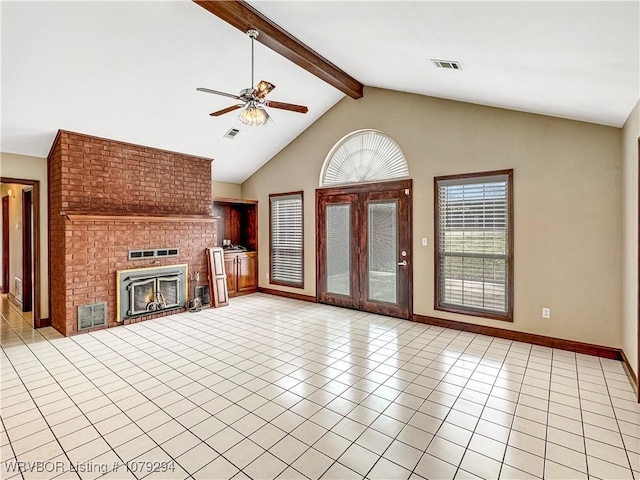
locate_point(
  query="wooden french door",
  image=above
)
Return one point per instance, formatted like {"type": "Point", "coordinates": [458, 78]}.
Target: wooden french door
{"type": "Point", "coordinates": [364, 247]}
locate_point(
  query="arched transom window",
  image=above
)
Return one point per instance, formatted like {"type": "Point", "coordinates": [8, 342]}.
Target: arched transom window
{"type": "Point", "coordinates": [363, 156]}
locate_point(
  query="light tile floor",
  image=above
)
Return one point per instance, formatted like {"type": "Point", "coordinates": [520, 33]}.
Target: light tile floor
{"type": "Point", "coordinates": [276, 388]}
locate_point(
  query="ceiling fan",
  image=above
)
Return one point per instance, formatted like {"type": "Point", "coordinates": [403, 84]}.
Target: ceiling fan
{"type": "Point", "coordinates": [254, 99]}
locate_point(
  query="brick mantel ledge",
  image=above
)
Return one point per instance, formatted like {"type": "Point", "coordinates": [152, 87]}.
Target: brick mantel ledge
{"type": "Point", "coordinates": [118, 217]}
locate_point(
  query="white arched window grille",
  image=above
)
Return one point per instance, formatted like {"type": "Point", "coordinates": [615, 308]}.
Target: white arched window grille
{"type": "Point", "coordinates": [363, 156]}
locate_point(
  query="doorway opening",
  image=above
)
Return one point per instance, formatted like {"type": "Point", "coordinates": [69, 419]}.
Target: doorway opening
{"type": "Point", "coordinates": [21, 245]}
{"type": "Point", "coordinates": [363, 247]}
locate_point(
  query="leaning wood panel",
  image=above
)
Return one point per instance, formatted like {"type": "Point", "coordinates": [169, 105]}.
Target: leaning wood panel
{"type": "Point", "coordinates": [217, 276]}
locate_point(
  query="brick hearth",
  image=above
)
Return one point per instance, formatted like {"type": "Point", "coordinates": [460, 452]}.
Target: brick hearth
{"type": "Point", "coordinates": [94, 176]}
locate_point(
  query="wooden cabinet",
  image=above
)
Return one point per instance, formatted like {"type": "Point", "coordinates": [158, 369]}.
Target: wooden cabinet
{"type": "Point", "coordinates": [242, 272]}
{"type": "Point", "coordinates": [238, 223]}
{"type": "Point", "coordinates": [232, 277]}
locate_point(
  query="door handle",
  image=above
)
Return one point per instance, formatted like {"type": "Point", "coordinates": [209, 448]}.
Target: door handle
{"type": "Point", "coordinates": [403, 263]}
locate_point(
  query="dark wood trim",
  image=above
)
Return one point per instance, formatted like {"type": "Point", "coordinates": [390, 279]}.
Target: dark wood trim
{"type": "Point", "coordinates": [322, 296]}
{"type": "Point", "coordinates": [286, 194]}
{"type": "Point", "coordinates": [551, 342]}
{"type": "Point", "coordinates": [281, 293]}
{"type": "Point", "coordinates": [629, 371]}
{"type": "Point", "coordinates": [6, 244]}
{"type": "Point", "coordinates": [48, 210]}
{"type": "Point", "coordinates": [37, 294]}
{"type": "Point", "coordinates": [19, 181]}
{"type": "Point", "coordinates": [243, 16]}
{"type": "Point", "coordinates": [366, 187]}
{"type": "Point", "coordinates": [271, 280]}
{"type": "Point", "coordinates": [45, 322]}
{"type": "Point", "coordinates": [235, 200]}
{"type": "Point", "coordinates": [37, 299]}
{"type": "Point", "coordinates": [510, 247]}
{"type": "Point", "coordinates": [27, 250]}
{"type": "Point", "coordinates": [83, 217]}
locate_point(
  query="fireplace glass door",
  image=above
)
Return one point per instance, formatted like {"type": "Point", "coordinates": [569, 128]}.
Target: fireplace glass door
{"type": "Point", "coordinates": [152, 294]}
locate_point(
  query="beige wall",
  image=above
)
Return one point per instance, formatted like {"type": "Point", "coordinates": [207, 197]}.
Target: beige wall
{"type": "Point", "coordinates": [226, 190]}
{"type": "Point", "coordinates": [567, 179]}
{"type": "Point", "coordinates": [33, 168]}
{"type": "Point", "coordinates": [630, 135]}
{"type": "Point", "coordinates": [15, 232]}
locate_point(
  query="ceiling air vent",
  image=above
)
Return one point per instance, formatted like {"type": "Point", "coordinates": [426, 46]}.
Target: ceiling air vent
{"type": "Point", "coordinates": [231, 133]}
{"type": "Point", "coordinates": [451, 64]}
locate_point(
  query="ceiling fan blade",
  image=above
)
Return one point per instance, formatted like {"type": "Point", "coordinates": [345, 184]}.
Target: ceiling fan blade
{"type": "Point", "coordinates": [226, 110]}
{"type": "Point", "coordinates": [215, 92]}
{"type": "Point", "coordinates": [287, 106]}
{"type": "Point", "coordinates": [263, 89]}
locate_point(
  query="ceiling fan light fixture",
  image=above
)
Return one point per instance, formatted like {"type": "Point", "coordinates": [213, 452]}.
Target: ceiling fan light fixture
{"type": "Point", "coordinates": [253, 99]}
{"type": "Point", "coordinates": [254, 115]}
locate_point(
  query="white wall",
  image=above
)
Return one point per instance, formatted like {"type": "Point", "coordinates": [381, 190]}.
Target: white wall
{"type": "Point", "coordinates": [630, 136]}
{"type": "Point", "coordinates": [34, 168]}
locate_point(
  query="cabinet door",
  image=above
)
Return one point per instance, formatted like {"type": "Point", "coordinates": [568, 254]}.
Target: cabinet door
{"type": "Point", "coordinates": [247, 272]}
{"type": "Point", "coordinates": [230, 269]}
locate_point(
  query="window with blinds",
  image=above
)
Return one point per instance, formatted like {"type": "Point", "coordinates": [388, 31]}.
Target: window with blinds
{"type": "Point", "coordinates": [286, 239]}
{"type": "Point", "coordinates": [474, 244]}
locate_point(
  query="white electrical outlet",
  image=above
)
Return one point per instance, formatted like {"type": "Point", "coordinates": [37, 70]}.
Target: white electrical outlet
{"type": "Point", "coordinates": [546, 312]}
{"type": "Point", "coordinates": [424, 241]}
{"type": "Point", "coordinates": [266, 275]}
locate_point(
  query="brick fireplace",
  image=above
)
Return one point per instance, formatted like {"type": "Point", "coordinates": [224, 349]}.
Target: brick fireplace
{"type": "Point", "coordinates": [107, 198]}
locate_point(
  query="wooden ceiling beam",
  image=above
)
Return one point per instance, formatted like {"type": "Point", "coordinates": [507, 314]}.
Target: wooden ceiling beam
{"type": "Point", "coordinates": [243, 16]}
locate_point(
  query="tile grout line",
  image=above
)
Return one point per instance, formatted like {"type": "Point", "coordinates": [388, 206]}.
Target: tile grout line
{"type": "Point", "coordinates": [615, 415]}
{"type": "Point", "coordinates": [348, 349]}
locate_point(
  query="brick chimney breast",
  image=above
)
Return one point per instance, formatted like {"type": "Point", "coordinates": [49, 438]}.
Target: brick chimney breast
{"type": "Point", "coordinates": [101, 185]}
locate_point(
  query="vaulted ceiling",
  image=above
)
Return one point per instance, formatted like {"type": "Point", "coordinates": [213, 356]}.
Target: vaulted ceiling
{"type": "Point", "coordinates": [129, 70]}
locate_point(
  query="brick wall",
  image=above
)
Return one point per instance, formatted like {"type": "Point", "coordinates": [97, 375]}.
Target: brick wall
{"type": "Point", "coordinates": [57, 239]}
{"type": "Point", "coordinates": [90, 175]}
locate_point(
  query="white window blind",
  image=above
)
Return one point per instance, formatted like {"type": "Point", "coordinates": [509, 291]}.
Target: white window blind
{"type": "Point", "coordinates": [286, 239]}
{"type": "Point", "coordinates": [473, 242]}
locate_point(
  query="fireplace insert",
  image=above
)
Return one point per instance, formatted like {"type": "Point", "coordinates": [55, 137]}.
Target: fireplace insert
{"type": "Point", "coordinates": [144, 291]}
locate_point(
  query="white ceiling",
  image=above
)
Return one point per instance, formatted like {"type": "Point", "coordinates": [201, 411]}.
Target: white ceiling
{"type": "Point", "coordinates": [574, 59]}
{"type": "Point", "coordinates": [129, 70]}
